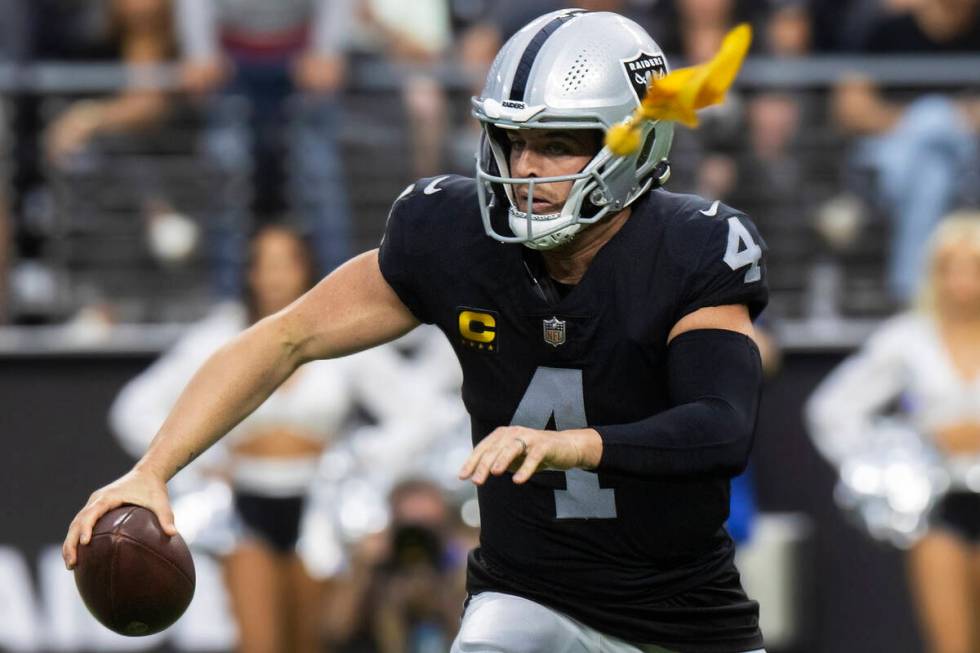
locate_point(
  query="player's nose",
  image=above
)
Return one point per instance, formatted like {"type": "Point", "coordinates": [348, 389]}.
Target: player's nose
{"type": "Point", "coordinates": [525, 163]}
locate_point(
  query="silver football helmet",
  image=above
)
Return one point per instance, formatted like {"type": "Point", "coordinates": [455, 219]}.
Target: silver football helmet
{"type": "Point", "coordinates": [570, 69]}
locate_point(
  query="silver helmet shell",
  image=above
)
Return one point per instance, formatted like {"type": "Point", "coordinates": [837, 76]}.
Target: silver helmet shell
{"type": "Point", "coordinates": [569, 69]}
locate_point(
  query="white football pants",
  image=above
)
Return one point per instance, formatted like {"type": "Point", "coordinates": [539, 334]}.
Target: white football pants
{"type": "Point", "coordinates": [503, 623]}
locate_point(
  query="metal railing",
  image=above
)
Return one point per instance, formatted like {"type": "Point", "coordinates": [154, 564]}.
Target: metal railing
{"type": "Point", "coordinates": [922, 71]}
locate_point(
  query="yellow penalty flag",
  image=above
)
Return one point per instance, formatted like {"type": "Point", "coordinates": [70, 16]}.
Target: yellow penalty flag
{"type": "Point", "coordinates": [679, 94]}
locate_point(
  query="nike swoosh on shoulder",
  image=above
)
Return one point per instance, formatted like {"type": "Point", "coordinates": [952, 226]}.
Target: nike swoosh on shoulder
{"type": "Point", "coordinates": [433, 185]}
{"type": "Point", "coordinates": [713, 211]}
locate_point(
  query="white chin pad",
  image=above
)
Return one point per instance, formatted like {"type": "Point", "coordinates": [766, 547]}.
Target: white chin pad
{"type": "Point", "coordinates": [518, 224]}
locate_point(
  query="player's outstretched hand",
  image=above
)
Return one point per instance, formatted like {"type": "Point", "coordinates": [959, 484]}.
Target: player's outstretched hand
{"type": "Point", "coordinates": [138, 487]}
{"type": "Point", "coordinates": [525, 451]}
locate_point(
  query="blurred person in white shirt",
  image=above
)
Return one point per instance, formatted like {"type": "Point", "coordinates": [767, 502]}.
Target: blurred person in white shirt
{"type": "Point", "coordinates": [928, 360]}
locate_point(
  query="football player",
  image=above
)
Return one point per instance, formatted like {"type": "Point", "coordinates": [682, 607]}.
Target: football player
{"type": "Point", "coordinates": [604, 329]}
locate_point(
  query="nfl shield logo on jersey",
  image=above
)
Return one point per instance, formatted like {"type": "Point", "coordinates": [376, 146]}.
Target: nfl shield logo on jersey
{"type": "Point", "coordinates": [554, 332]}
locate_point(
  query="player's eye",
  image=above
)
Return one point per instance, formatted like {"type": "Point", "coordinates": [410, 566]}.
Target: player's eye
{"type": "Point", "coordinates": [557, 148]}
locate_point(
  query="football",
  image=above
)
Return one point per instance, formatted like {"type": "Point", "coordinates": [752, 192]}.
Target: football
{"type": "Point", "coordinates": [134, 578]}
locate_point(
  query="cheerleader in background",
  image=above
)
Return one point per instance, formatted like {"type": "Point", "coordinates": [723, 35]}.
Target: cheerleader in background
{"type": "Point", "coordinates": [929, 359]}
{"type": "Point", "coordinates": [271, 458]}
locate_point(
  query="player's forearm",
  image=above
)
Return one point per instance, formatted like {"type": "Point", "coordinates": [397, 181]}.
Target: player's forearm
{"type": "Point", "coordinates": [705, 437]}
{"type": "Point", "coordinates": [233, 382]}
{"type": "Point", "coordinates": [715, 381]}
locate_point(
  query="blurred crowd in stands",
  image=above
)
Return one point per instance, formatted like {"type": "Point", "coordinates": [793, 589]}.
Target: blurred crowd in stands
{"type": "Point", "coordinates": [317, 112]}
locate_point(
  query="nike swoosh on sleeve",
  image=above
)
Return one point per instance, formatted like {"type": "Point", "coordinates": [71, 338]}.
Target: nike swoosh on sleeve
{"type": "Point", "coordinates": [433, 186]}
{"type": "Point", "coordinates": [408, 189]}
{"type": "Point", "coordinates": [711, 212]}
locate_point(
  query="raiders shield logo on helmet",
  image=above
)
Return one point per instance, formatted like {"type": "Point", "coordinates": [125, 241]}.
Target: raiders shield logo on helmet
{"type": "Point", "coordinates": [554, 331]}
{"type": "Point", "coordinates": [641, 69]}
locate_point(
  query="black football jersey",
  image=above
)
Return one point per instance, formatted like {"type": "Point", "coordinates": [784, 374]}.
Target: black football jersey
{"type": "Point", "coordinates": [643, 558]}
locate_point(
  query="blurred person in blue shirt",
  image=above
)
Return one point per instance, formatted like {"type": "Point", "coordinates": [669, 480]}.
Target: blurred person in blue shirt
{"type": "Point", "coordinates": [287, 59]}
{"type": "Point", "coordinates": [924, 160]}
{"type": "Point", "coordinates": [922, 154]}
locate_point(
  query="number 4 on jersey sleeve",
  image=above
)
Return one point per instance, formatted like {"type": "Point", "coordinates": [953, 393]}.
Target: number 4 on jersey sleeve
{"type": "Point", "coordinates": [722, 261]}
{"type": "Point", "coordinates": [742, 250]}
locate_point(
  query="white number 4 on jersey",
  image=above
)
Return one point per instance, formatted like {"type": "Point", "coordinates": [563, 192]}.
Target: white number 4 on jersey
{"type": "Point", "coordinates": [736, 257]}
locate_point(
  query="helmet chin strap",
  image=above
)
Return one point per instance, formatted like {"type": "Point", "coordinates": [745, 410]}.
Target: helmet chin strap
{"type": "Point", "coordinates": [518, 222]}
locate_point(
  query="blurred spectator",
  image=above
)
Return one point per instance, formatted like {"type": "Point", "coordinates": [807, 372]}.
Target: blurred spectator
{"type": "Point", "coordinates": [418, 35]}
{"type": "Point", "coordinates": [135, 32]}
{"type": "Point", "coordinates": [694, 29]}
{"type": "Point", "coordinates": [774, 124]}
{"type": "Point", "coordinates": [420, 38]}
{"type": "Point", "coordinates": [924, 160]}
{"type": "Point", "coordinates": [831, 22]}
{"type": "Point", "coordinates": [788, 31]}
{"type": "Point", "coordinates": [766, 126]}
{"type": "Point", "coordinates": [928, 361]}
{"type": "Point", "coordinates": [480, 27]}
{"type": "Point", "coordinates": [773, 177]}
{"type": "Point", "coordinates": [287, 59]}
{"type": "Point", "coordinates": [690, 32]}
{"type": "Point", "coordinates": [141, 30]}
{"type": "Point", "coordinates": [477, 41]}
{"type": "Point", "coordinates": [915, 26]}
{"type": "Point", "coordinates": [405, 587]}
{"type": "Point", "coordinates": [717, 175]}
{"type": "Point", "coordinates": [271, 458]}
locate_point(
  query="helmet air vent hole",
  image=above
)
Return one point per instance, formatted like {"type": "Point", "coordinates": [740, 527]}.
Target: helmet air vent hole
{"type": "Point", "coordinates": [581, 70]}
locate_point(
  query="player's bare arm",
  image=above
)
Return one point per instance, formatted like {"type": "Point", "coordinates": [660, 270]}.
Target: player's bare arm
{"type": "Point", "coordinates": [351, 309]}
{"type": "Point", "coordinates": [525, 451]}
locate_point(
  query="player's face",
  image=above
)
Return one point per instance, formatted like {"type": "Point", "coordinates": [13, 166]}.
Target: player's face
{"type": "Point", "coordinates": [279, 272]}
{"type": "Point", "coordinates": [958, 277]}
{"type": "Point", "coordinates": [549, 153]}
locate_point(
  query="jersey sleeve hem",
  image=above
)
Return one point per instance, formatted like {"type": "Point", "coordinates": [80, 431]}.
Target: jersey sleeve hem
{"type": "Point", "coordinates": [405, 294]}
{"type": "Point", "coordinates": [747, 299]}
